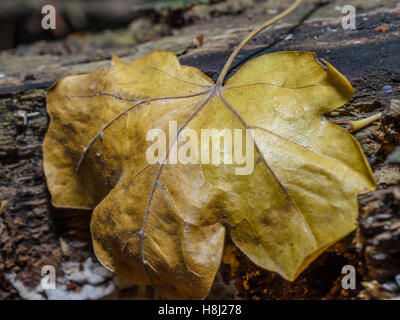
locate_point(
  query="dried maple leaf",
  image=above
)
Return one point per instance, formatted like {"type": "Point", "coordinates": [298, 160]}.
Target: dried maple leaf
{"type": "Point", "coordinates": [165, 223]}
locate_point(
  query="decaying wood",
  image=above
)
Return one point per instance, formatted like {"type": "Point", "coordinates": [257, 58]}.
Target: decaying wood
{"type": "Point", "coordinates": [33, 233]}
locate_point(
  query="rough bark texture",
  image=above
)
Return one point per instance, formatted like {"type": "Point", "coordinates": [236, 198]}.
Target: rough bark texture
{"type": "Point", "coordinates": [33, 233]}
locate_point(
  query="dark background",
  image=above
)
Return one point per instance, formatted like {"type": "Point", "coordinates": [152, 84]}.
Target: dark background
{"type": "Point", "coordinates": [20, 20]}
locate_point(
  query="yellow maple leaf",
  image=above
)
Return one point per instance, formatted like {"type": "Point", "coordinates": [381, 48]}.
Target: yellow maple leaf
{"type": "Point", "coordinates": [164, 223]}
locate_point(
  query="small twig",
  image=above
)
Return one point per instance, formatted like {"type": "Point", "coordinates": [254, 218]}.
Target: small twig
{"type": "Point", "coordinates": [2, 205]}
{"type": "Point", "coordinates": [25, 116]}
{"type": "Point", "coordinates": [356, 125]}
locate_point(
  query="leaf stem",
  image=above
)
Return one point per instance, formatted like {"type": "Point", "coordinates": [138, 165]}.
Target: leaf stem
{"type": "Point", "coordinates": [278, 17]}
